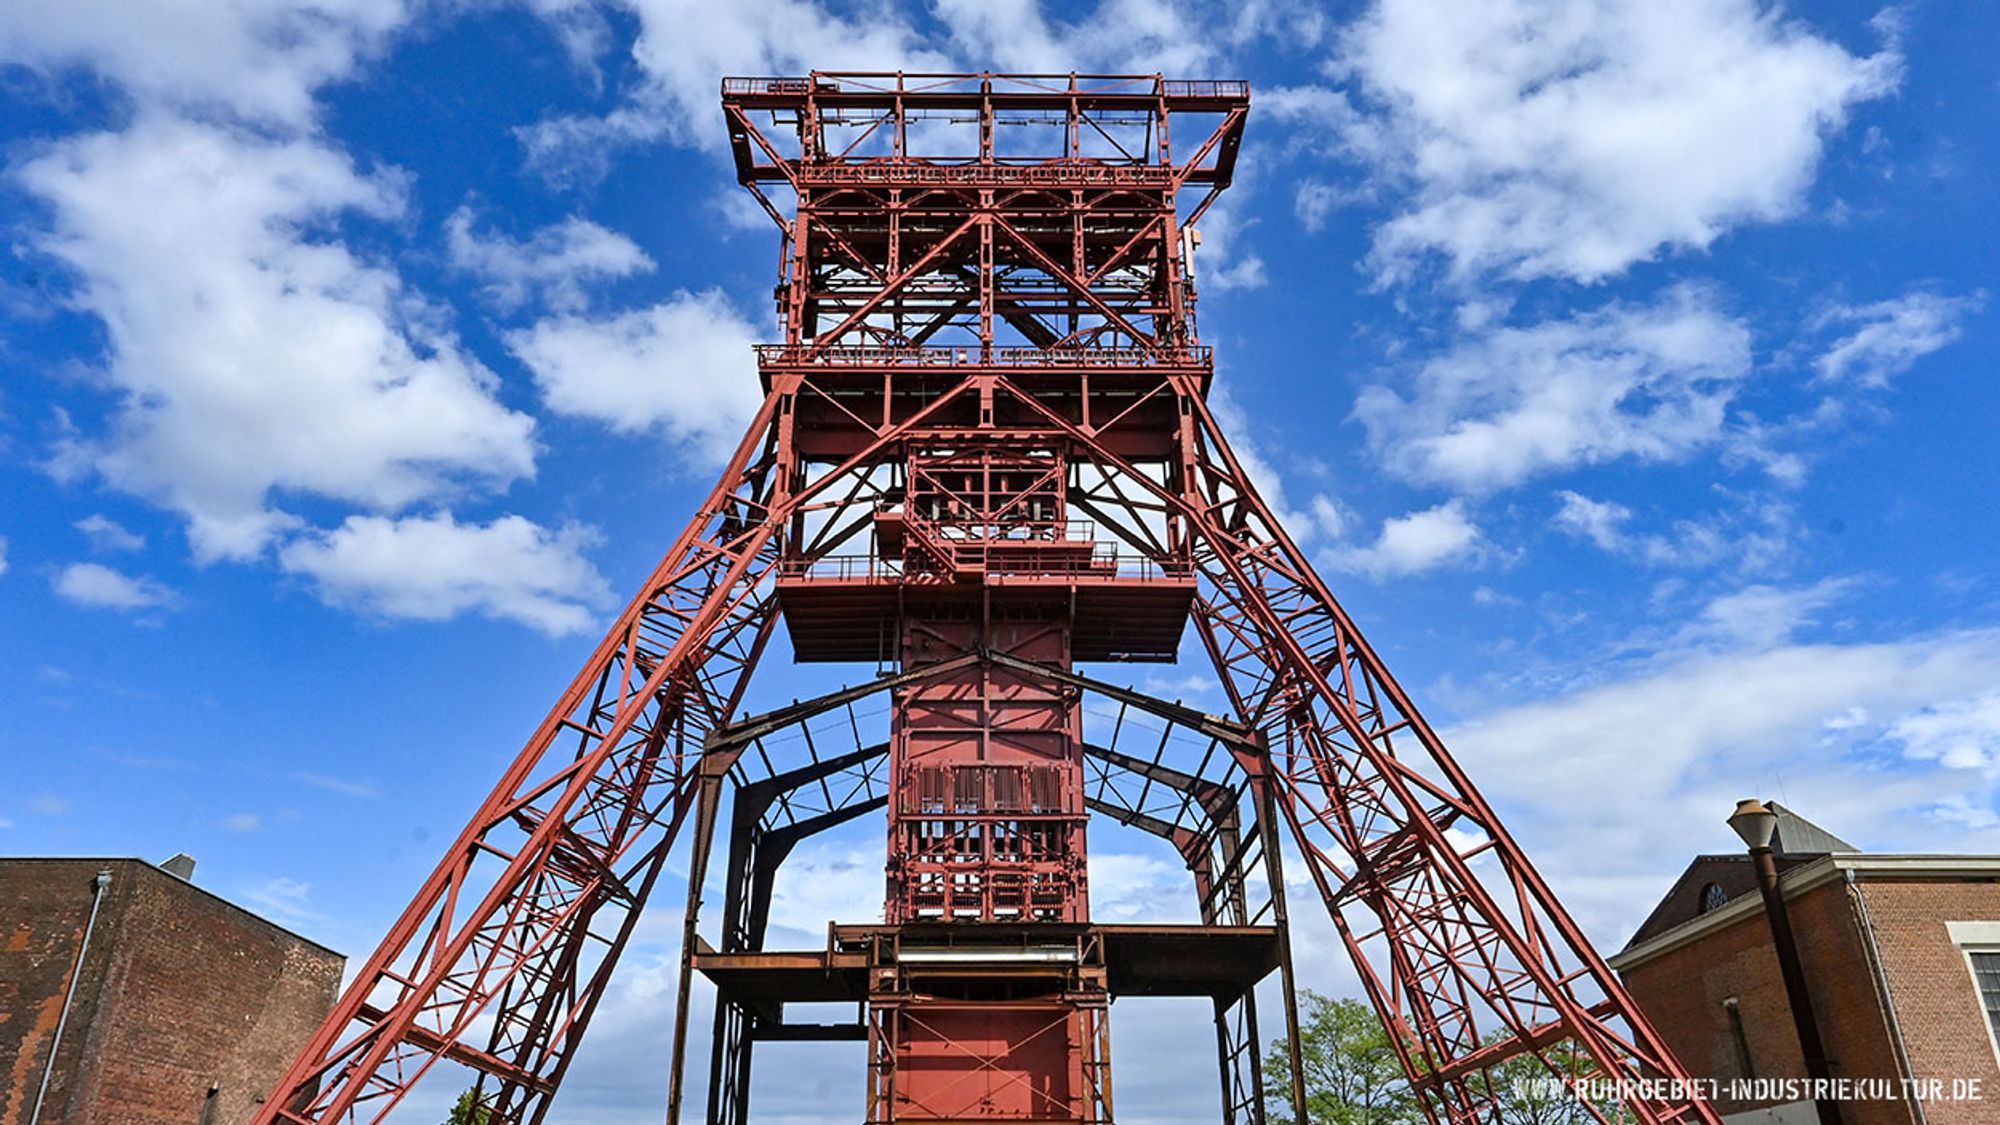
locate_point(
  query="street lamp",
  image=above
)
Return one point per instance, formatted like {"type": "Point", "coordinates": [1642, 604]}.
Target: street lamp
{"type": "Point", "coordinates": [1757, 825]}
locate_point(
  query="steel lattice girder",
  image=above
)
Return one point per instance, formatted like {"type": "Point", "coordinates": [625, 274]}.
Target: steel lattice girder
{"type": "Point", "coordinates": [618, 742]}
{"type": "Point", "coordinates": [499, 961]}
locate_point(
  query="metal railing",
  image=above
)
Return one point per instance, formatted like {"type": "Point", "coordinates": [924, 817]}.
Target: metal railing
{"type": "Point", "coordinates": [874, 568]}
{"type": "Point", "coordinates": [1204, 88]}
{"type": "Point", "coordinates": [1001, 86]}
{"type": "Point", "coordinates": [968, 529]}
{"type": "Point", "coordinates": [766, 85]}
{"type": "Point", "coordinates": [1054, 172]}
{"type": "Point", "coordinates": [779, 355]}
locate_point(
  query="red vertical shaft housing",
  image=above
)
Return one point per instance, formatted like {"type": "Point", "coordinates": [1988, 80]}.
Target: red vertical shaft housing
{"type": "Point", "coordinates": [922, 253]}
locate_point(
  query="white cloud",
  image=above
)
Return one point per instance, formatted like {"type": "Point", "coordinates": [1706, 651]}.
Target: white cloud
{"type": "Point", "coordinates": [107, 534]}
{"type": "Point", "coordinates": [1322, 514]}
{"type": "Point", "coordinates": [1115, 36]}
{"type": "Point", "coordinates": [1647, 382]}
{"type": "Point", "coordinates": [3, 554]}
{"type": "Point", "coordinates": [1958, 810]}
{"type": "Point", "coordinates": [1219, 264]}
{"type": "Point", "coordinates": [257, 59]}
{"type": "Point", "coordinates": [1416, 542]}
{"type": "Point", "coordinates": [1887, 337]}
{"type": "Point", "coordinates": [583, 29]}
{"type": "Point", "coordinates": [283, 900]}
{"type": "Point", "coordinates": [1600, 521]}
{"type": "Point", "coordinates": [1757, 533]}
{"type": "Point", "coordinates": [1646, 766]}
{"type": "Point", "coordinates": [1761, 616]}
{"type": "Point", "coordinates": [1012, 33]}
{"type": "Point", "coordinates": [1328, 518]}
{"type": "Point", "coordinates": [1960, 734]}
{"type": "Point", "coordinates": [340, 785]}
{"type": "Point", "coordinates": [1315, 201]}
{"type": "Point", "coordinates": [1572, 138]}
{"type": "Point", "coordinates": [827, 880]}
{"type": "Point", "coordinates": [430, 568]}
{"type": "Point", "coordinates": [251, 354]}
{"type": "Point", "coordinates": [1151, 886]}
{"type": "Point", "coordinates": [553, 264]}
{"type": "Point", "coordinates": [682, 368]}
{"type": "Point", "coordinates": [91, 584]}
{"type": "Point", "coordinates": [243, 822]}
{"type": "Point", "coordinates": [684, 49]}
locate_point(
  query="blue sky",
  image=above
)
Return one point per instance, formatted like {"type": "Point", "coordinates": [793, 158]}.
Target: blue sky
{"type": "Point", "coordinates": [1628, 374]}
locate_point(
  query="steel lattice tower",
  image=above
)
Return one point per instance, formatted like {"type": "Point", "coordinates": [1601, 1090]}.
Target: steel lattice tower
{"type": "Point", "coordinates": [984, 457]}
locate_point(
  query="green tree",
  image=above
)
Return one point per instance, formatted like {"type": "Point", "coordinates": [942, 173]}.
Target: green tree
{"type": "Point", "coordinates": [469, 1111]}
{"type": "Point", "coordinates": [1352, 1075]}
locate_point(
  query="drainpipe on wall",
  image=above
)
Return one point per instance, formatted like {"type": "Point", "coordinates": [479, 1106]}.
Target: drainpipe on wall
{"type": "Point", "coordinates": [1883, 991]}
{"type": "Point", "coordinates": [1757, 826]}
{"type": "Point", "coordinates": [97, 886]}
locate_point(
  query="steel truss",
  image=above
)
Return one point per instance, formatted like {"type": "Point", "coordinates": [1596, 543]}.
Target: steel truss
{"type": "Point", "coordinates": [1025, 317]}
{"type": "Point", "coordinates": [1219, 826]}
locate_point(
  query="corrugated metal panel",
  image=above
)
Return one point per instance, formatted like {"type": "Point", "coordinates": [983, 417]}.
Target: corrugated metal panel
{"type": "Point", "coordinates": [1799, 836]}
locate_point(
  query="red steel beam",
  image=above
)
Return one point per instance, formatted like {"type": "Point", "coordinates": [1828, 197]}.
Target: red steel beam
{"type": "Point", "coordinates": [979, 343]}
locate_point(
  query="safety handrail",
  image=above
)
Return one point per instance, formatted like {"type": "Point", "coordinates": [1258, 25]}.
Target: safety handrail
{"type": "Point", "coordinates": [933, 356]}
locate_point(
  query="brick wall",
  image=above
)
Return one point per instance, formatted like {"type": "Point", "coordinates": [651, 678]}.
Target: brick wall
{"type": "Point", "coordinates": [1943, 1022]}
{"type": "Point", "coordinates": [182, 992]}
{"type": "Point", "coordinates": [1682, 992]}
{"type": "Point", "coordinates": [43, 910]}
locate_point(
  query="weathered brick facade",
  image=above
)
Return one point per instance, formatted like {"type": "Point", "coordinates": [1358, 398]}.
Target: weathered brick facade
{"type": "Point", "coordinates": [1943, 1023]}
{"type": "Point", "coordinates": [187, 1007]}
{"type": "Point", "coordinates": [1682, 976]}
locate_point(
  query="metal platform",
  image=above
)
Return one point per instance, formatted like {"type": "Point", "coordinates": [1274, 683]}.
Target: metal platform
{"type": "Point", "coordinates": [1217, 962]}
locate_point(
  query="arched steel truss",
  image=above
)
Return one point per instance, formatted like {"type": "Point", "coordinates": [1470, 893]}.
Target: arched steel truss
{"type": "Point", "coordinates": [1216, 815]}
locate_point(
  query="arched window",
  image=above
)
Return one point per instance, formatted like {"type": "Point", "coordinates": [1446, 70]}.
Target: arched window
{"type": "Point", "coordinates": [1713, 897]}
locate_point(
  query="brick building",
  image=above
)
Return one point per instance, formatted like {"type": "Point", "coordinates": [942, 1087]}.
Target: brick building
{"type": "Point", "coordinates": [186, 1008]}
{"type": "Point", "coordinates": [1901, 955]}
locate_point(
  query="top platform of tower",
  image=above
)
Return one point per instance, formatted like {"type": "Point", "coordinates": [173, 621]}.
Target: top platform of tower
{"type": "Point", "coordinates": [1052, 129]}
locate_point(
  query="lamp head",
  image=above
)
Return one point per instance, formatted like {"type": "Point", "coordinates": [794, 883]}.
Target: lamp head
{"type": "Point", "coordinates": [1754, 823]}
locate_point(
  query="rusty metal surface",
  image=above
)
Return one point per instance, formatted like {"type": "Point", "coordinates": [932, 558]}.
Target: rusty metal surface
{"type": "Point", "coordinates": [985, 453]}
{"type": "Point", "coordinates": [1209, 961]}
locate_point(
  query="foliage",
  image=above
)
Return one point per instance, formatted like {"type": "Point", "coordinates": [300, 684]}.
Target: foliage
{"type": "Point", "coordinates": [1352, 1075]}
{"type": "Point", "coordinates": [469, 1111]}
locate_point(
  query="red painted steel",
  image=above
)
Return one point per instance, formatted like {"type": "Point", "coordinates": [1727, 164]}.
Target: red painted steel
{"type": "Point", "coordinates": [986, 816]}
{"type": "Point", "coordinates": [1015, 1060]}
{"type": "Point", "coordinates": [986, 453]}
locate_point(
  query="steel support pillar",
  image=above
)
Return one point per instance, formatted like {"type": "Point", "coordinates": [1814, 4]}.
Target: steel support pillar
{"type": "Point", "coordinates": [985, 457]}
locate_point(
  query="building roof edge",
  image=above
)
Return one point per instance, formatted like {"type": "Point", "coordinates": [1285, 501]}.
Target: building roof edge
{"type": "Point", "coordinates": [189, 883]}
{"type": "Point", "coordinates": [1805, 877]}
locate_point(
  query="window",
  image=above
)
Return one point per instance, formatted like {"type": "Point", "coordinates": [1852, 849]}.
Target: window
{"type": "Point", "coordinates": [1713, 897]}
{"type": "Point", "coordinates": [1980, 941]}
{"type": "Point", "coordinates": [1733, 1012]}
{"type": "Point", "coordinates": [1986, 974]}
